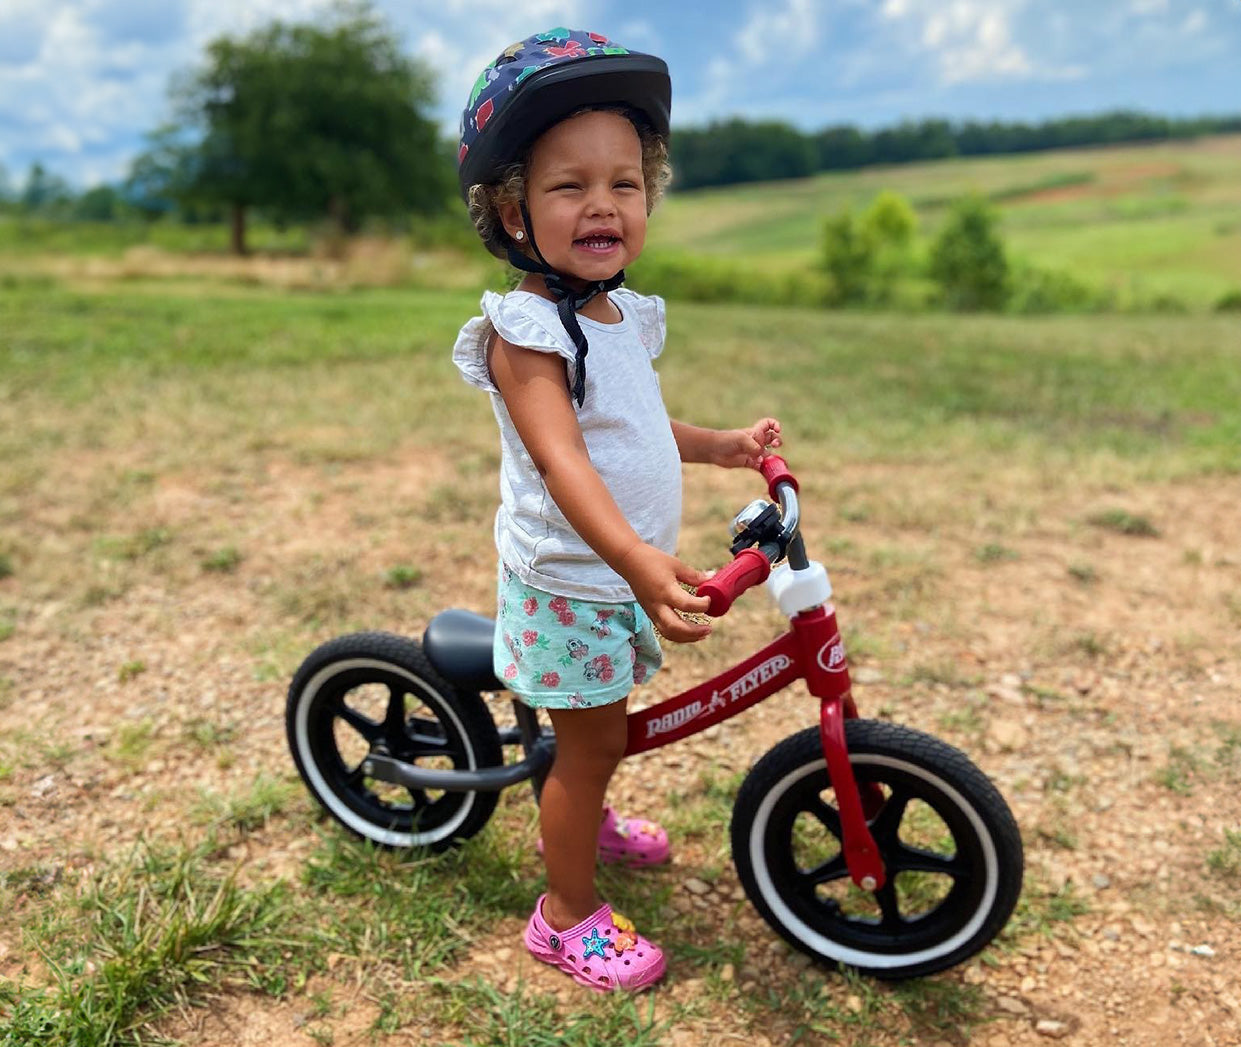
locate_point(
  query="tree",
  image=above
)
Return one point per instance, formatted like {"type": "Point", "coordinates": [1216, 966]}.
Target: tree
{"type": "Point", "coordinates": [309, 120]}
{"type": "Point", "coordinates": [44, 192]}
{"type": "Point", "coordinates": [162, 174]}
{"type": "Point", "coordinates": [865, 256]}
{"type": "Point", "coordinates": [967, 258]}
{"type": "Point", "coordinates": [889, 223]}
{"type": "Point", "coordinates": [98, 204]}
{"type": "Point", "coordinates": [848, 257]}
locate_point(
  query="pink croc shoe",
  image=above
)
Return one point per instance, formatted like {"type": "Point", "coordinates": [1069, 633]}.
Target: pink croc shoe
{"type": "Point", "coordinates": [632, 841]}
{"type": "Point", "coordinates": [603, 952]}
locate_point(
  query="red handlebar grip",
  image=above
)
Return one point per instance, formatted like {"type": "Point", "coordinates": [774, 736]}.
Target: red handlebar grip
{"type": "Point", "coordinates": [775, 471]}
{"type": "Point", "coordinates": [748, 569]}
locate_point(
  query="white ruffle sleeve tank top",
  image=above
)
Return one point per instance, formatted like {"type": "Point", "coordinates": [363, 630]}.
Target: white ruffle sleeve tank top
{"type": "Point", "coordinates": [624, 424]}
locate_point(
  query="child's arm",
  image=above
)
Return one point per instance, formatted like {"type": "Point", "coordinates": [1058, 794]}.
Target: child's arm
{"type": "Point", "coordinates": [537, 397]}
{"type": "Point", "coordinates": [730, 448]}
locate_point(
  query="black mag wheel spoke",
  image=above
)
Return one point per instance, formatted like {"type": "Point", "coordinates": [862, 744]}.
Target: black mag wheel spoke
{"type": "Point", "coordinates": [903, 858]}
{"type": "Point", "coordinates": [887, 823]}
{"type": "Point", "coordinates": [832, 869]}
{"type": "Point", "coordinates": [394, 718]}
{"type": "Point", "coordinates": [364, 725]}
{"type": "Point", "coordinates": [828, 815]}
{"type": "Point", "coordinates": [892, 920]}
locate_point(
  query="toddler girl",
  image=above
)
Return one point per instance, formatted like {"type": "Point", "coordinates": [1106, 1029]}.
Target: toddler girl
{"type": "Point", "coordinates": [563, 155]}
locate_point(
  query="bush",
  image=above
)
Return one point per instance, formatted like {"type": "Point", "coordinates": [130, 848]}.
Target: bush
{"type": "Point", "coordinates": [1229, 302]}
{"type": "Point", "coordinates": [889, 223]}
{"type": "Point", "coordinates": [967, 258]}
{"type": "Point", "coordinates": [697, 279]}
{"type": "Point", "coordinates": [848, 258]}
{"type": "Point", "coordinates": [1036, 290]}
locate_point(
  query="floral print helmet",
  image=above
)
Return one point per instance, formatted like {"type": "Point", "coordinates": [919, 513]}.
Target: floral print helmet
{"type": "Point", "coordinates": [539, 81]}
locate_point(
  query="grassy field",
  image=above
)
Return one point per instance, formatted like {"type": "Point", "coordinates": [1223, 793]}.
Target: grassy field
{"type": "Point", "coordinates": [203, 478]}
{"type": "Point", "coordinates": [1143, 219]}
{"type": "Point", "coordinates": [1152, 226]}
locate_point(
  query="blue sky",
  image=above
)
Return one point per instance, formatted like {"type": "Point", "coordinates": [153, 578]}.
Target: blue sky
{"type": "Point", "coordinates": [81, 80]}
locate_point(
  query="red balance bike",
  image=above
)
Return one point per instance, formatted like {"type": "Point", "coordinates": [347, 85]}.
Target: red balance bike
{"type": "Point", "coordinates": [860, 842]}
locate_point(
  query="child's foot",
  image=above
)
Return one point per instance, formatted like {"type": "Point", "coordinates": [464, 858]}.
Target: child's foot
{"type": "Point", "coordinates": [632, 841]}
{"type": "Point", "coordinates": [603, 952]}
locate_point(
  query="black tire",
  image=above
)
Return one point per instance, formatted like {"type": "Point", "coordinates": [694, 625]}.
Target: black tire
{"type": "Point", "coordinates": [949, 844]}
{"type": "Point", "coordinates": [342, 704]}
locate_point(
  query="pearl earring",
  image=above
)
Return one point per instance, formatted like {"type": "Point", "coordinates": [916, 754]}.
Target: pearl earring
{"type": "Point", "coordinates": [519, 235]}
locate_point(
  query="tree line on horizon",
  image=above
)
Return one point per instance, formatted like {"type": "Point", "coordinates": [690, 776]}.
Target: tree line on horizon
{"type": "Point", "coordinates": [728, 152]}
{"type": "Point", "coordinates": [329, 120]}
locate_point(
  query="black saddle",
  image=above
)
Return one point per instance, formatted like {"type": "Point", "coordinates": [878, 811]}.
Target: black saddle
{"type": "Point", "coordinates": [458, 644]}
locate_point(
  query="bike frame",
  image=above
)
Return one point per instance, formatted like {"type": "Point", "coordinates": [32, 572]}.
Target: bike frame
{"type": "Point", "coordinates": [812, 650]}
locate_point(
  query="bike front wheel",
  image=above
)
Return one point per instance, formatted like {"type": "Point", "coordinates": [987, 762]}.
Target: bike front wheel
{"type": "Point", "coordinates": [375, 692]}
{"type": "Point", "coordinates": [950, 847]}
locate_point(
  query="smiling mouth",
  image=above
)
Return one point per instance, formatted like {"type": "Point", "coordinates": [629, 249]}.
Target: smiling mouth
{"type": "Point", "coordinates": [597, 243]}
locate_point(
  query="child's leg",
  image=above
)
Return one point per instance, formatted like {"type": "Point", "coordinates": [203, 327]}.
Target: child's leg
{"type": "Point", "coordinates": [589, 745]}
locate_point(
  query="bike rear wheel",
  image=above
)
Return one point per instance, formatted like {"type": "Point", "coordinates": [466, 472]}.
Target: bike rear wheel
{"type": "Point", "coordinates": [950, 847]}
{"type": "Point", "coordinates": [376, 692]}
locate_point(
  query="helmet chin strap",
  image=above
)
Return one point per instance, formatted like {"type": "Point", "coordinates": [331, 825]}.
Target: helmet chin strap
{"type": "Point", "coordinates": [568, 300]}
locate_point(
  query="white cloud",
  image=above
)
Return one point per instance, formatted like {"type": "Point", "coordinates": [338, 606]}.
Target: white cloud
{"type": "Point", "coordinates": [461, 46]}
{"type": "Point", "coordinates": [771, 41]}
{"type": "Point", "coordinates": [971, 40]}
{"type": "Point", "coordinates": [1194, 22]}
{"type": "Point", "coordinates": [774, 33]}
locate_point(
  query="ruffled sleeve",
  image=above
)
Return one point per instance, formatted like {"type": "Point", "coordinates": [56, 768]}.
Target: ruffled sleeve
{"type": "Point", "coordinates": [648, 310]}
{"type": "Point", "coordinates": [520, 318]}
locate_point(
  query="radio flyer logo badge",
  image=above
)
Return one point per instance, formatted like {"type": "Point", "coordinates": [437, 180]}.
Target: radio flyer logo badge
{"type": "Point", "coordinates": [832, 655]}
{"type": "Point", "coordinates": [745, 684]}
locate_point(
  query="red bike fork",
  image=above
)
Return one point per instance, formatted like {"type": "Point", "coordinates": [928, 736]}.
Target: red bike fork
{"type": "Point", "coordinates": [822, 656]}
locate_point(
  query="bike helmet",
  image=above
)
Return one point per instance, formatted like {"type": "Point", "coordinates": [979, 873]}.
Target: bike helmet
{"type": "Point", "coordinates": [539, 81]}
{"type": "Point", "coordinates": [531, 86]}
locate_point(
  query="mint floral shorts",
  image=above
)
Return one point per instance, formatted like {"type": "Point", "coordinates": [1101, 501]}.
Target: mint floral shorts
{"type": "Point", "coordinates": [558, 652]}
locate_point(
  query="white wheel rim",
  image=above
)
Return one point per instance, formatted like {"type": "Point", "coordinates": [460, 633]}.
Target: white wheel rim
{"type": "Point", "coordinates": [825, 946]}
{"type": "Point", "coordinates": [329, 798]}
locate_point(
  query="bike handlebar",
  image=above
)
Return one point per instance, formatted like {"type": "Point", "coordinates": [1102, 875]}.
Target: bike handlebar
{"type": "Point", "coordinates": [752, 566]}
{"type": "Point", "coordinates": [748, 568]}
{"type": "Point", "coordinates": [775, 471]}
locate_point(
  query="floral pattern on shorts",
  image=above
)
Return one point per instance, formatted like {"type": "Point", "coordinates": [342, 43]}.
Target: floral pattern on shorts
{"type": "Point", "coordinates": [559, 652]}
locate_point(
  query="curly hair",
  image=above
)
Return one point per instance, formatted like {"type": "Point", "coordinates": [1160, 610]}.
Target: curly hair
{"type": "Point", "coordinates": [485, 200]}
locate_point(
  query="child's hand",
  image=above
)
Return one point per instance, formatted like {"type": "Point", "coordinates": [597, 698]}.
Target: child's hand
{"type": "Point", "coordinates": [738, 448]}
{"type": "Point", "coordinates": [656, 578]}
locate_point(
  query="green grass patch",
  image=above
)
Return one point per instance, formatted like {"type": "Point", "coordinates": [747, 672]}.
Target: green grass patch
{"type": "Point", "coordinates": [224, 560]}
{"type": "Point", "coordinates": [416, 911]}
{"type": "Point", "coordinates": [523, 1018]}
{"type": "Point", "coordinates": [131, 670]}
{"type": "Point", "coordinates": [1225, 860]}
{"type": "Point", "coordinates": [1083, 572]}
{"type": "Point", "coordinates": [402, 576]}
{"type": "Point", "coordinates": [131, 743]}
{"type": "Point", "coordinates": [1042, 912]}
{"type": "Point", "coordinates": [159, 928]}
{"type": "Point", "coordinates": [249, 808]}
{"type": "Point", "coordinates": [218, 377]}
{"type": "Point", "coordinates": [1124, 522]}
{"type": "Point", "coordinates": [994, 552]}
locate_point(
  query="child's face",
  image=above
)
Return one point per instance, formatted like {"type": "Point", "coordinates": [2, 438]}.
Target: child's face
{"type": "Point", "coordinates": [586, 196]}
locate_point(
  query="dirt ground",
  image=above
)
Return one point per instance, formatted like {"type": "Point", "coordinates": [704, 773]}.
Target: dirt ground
{"type": "Point", "coordinates": [1092, 673]}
